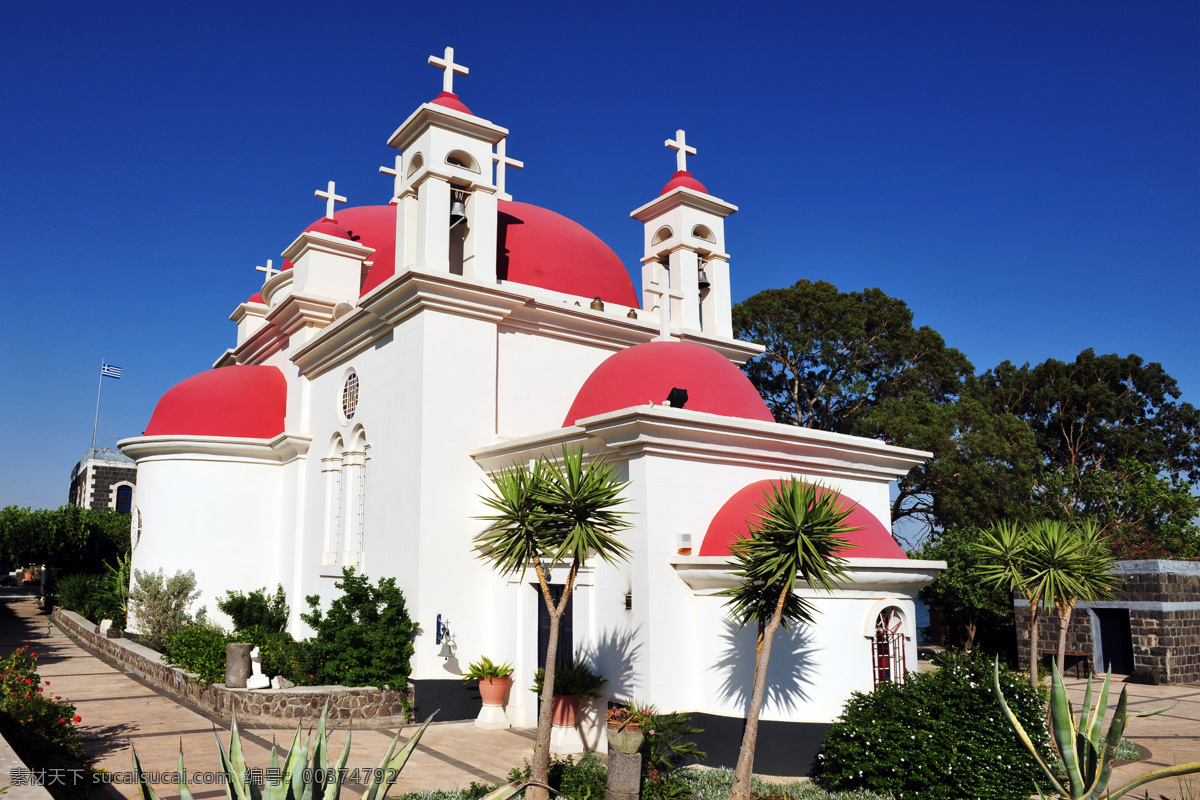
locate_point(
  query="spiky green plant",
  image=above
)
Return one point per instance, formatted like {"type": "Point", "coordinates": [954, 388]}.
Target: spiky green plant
{"type": "Point", "coordinates": [305, 774]}
{"type": "Point", "coordinates": [1087, 753]}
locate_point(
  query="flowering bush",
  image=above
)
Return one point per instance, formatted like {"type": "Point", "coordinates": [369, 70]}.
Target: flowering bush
{"type": "Point", "coordinates": [940, 735]}
{"type": "Point", "coordinates": [40, 726]}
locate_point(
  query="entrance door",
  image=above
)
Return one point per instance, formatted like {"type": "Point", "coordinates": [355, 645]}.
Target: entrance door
{"type": "Point", "coordinates": [566, 649]}
{"type": "Point", "coordinates": [1116, 640]}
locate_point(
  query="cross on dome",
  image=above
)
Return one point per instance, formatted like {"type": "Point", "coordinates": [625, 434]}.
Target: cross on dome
{"type": "Point", "coordinates": [448, 67]}
{"type": "Point", "coordinates": [395, 173]}
{"type": "Point", "coordinates": [502, 160]}
{"type": "Point", "coordinates": [331, 197]}
{"type": "Point", "coordinates": [682, 151]}
{"type": "Point", "coordinates": [270, 273]}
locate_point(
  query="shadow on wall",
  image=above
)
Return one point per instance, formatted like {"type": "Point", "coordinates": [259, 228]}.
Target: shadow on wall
{"type": "Point", "coordinates": [788, 673]}
{"type": "Point", "coordinates": [615, 655]}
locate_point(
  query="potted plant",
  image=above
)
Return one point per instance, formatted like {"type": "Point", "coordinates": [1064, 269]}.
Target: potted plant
{"type": "Point", "coordinates": [494, 680]}
{"type": "Point", "coordinates": [625, 726]}
{"type": "Point", "coordinates": [572, 683]}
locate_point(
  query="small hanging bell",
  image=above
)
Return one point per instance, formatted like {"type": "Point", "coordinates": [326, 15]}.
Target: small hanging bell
{"type": "Point", "coordinates": [458, 212]}
{"type": "Point", "coordinates": [702, 279]}
{"type": "Point", "coordinates": [447, 651]}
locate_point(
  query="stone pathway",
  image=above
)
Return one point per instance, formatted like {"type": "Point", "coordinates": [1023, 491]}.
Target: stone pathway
{"type": "Point", "coordinates": [1172, 738]}
{"type": "Point", "coordinates": [119, 709]}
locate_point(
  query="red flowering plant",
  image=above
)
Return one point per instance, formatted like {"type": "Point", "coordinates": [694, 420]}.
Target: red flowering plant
{"type": "Point", "coordinates": [41, 730]}
{"type": "Point", "coordinates": [636, 715]}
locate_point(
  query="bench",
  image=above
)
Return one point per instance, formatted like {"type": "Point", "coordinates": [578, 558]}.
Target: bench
{"type": "Point", "coordinates": [1077, 665]}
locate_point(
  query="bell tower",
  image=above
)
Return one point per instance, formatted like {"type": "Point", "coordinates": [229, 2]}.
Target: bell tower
{"type": "Point", "coordinates": [685, 269]}
{"type": "Point", "coordinates": [445, 197]}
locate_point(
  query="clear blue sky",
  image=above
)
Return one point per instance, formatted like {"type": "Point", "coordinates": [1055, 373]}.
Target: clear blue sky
{"type": "Point", "coordinates": [1025, 176]}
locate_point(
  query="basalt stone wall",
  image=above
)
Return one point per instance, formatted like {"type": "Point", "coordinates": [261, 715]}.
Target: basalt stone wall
{"type": "Point", "coordinates": [1162, 600]}
{"type": "Point", "coordinates": [368, 706]}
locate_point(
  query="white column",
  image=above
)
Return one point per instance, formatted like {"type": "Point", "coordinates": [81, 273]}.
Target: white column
{"type": "Point", "coordinates": [332, 469]}
{"type": "Point", "coordinates": [479, 256]}
{"type": "Point", "coordinates": [685, 312]}
{"type": "Point", "coordinates": [406, 230]}
{"type": "Point", "coordinates": [433, 226]}
{"type": "Point", "coordinates": [718, 305]}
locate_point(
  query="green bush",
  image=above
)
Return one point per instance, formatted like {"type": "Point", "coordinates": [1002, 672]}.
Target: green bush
{"type": "Point", "coordinates": [71, 538]}
{"type": "Point", "coordinates": [586, 780]}
{"type": "Point", "coordinates": [714, 784]}
{"type": "Point", "coordinates": [281, 655]}
{"type": "Point", "coordinates": [940, 736]}
{"type": "Point", "coordinates": [40, 728]}
{"type": "Point", "coordinates": [199, 647]}
{"type": "Point", "coordinates": [160, 604]}
{"type": "Point", "coordinates": [256, 609]}
{"type": "Point", "coordinates": [366, 638]}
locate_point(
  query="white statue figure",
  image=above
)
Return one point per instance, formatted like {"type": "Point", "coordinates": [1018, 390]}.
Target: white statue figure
{"type": "Point", "coordinates": [257, 680]}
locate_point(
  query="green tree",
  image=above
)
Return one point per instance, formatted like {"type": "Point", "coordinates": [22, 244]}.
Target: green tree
{"type": "Point", "coordinates": [553, 512]}
{"type": "Point", "coordinates": [797, 536]}
{"type": "Point", "coordinates": [72, 538]}
{"type": "Point", "coordinates": [966, 603]}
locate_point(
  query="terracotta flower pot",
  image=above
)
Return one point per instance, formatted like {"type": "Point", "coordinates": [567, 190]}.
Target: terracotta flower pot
{"type": "Point", "coordinates": [492, 690]}
{"type": "Point", "coordinates": [625, 740]}
{"type": "Point", "coordinates": [564, 709]}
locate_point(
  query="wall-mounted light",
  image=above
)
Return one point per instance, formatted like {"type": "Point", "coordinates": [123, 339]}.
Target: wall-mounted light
{"type": "Point", "coordinates": [685, 544]}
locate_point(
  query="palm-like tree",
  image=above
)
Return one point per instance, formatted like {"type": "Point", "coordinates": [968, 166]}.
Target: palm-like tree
{"type": "Point", "coordinates": [553, 512]}
{"type": "Point", "coordinates": [1054, 565]}
{"type": "Point", "coordinates": [797, 537]}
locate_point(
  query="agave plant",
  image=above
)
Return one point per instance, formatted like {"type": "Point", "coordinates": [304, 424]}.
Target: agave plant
{"type": "Point", "coordinates": [305, 775]}
{"type": "Point", "coordinates": [1086, 752]}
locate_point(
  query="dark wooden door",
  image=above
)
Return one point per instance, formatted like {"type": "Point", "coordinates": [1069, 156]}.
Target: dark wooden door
{"type": "Point", "coordinates": [566, 649]}
{"type": "Point", "coordinates": [1116, 640]}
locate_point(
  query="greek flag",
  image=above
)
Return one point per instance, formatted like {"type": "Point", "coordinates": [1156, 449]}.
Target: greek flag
{"type": "Point", "coordinates": [109, 371]}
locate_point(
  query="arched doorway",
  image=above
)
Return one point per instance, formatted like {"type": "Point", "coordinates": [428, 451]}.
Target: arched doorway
{"type": "Point", "coordinates": [887, 647]}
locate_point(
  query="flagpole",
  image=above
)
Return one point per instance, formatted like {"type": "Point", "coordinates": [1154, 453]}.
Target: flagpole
{"type": "Point", "coordinates": [96, 424]}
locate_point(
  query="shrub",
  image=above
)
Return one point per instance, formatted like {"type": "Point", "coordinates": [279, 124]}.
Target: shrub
{"type": "Point", "coordinates": [366, 639]}
{"type": "Point", "coordinates": [256, 609]}
{"type": "Point", "coordinates": [714, 784]}
{"type": "Point", "coordinates": [40, 729]}
{"type": "Point", "coordinates": [280, 653]}
{"type": "Point", "coordinates": [586, 780]}
{"type": "Point", "coordinates": [940, 735]}
{"type": "Point", "coordinates": [667, 744]}
{"type": "Point", "coordinates": [160, 604]}
{"type": "Point", "coordinates": [199, 647]}
{"type": "Point", "coordinates": [70, 537]}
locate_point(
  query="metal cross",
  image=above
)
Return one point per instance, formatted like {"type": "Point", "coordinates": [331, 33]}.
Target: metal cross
{"type": "Point", "coordinates": [502, 160]}
{"type": "Point", "coordinates": [331, 197]}
{"type": "Point", "coordinates": [682, 151]}
{"type": "Point", "coordinates": [395, 173]}
{"type": "Point", "coordinates": [270, 273]}
{"type": "Point", "coordinates": [448, 67]}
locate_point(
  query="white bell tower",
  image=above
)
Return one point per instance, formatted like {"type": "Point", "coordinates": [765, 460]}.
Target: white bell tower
{"type": "Point", "coordinates": [446, 162]}
{"type": "Point", "coordinates": [685, 269]}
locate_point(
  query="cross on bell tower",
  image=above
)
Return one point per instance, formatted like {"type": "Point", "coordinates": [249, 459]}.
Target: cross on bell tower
{"type": "Point", "coordinates": [449, 69]}
{"type": "Point", "coordinates": [331, 197]}
{"type": "Point", "coordinates": [682, 151]}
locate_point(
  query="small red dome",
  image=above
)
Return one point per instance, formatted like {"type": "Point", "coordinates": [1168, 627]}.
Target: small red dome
{"type": "Point", "coordinates": [287, 264]}
{"type": "Point", "coordinates": [450, 100]}
{"type": "Point", "coordinates": [733, 521]}
{"type": "Point", "coordinates": [246, 401]}
{"type": "Point", "coordinates": [255, 298]}
{"type": "Point", "coordinates": [647, 372]}
{"type": "Point", "coordinates": [685, 180]}
{"type": "Point", "coordinates": [538, 247]}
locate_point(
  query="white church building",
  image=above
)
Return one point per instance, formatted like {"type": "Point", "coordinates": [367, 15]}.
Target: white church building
{"type": "Point", "coordinates": [409, 350]}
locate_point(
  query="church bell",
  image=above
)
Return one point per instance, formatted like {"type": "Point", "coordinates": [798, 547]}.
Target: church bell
{"type": "Point", "coordinates": [458, 211]}
{"type": "Point", "coordinates": [703, 279]}
{"type": "Point", "coordinates": [447, 651]}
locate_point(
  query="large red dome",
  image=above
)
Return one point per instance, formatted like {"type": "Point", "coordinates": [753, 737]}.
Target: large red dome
{"type": "Point", "coordinates": [733, 521]}
{"type": "Point", "coordinates": [534, 246]}
{"type": "Point", "coordinates": [646, 373]}
{"type": "Point", "coordinates": [246, 401]}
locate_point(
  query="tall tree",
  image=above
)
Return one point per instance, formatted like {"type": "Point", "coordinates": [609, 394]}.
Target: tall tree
{"type": "Point", "coordinates": [833, 356]}
{"type": "Point", "coordinates": [552, 512]}
{"type": "Point", "coordinates": [797, 537]}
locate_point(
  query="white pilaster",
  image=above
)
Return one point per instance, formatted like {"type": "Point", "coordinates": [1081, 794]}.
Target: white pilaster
{"type": "Point", "coordinates": [433, 225]}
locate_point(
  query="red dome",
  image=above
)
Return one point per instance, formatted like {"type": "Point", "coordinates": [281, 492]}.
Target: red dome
{"type": "Point", "coordinates": [450, 100]}
{"type": "Point", "coordinates": [538, 247]}
{"type": "Point", "coordinates": [328, 227]}
{"type": "Point", "coordinates": [647, 372]}
{"type": "Point", "coordinates": [255, 298]}
{"type": "Point", "coordinates": [535, 247]}
{"type": "Point", "coordinates": [245, 401]}
{"type": "Point", "coordinates": [733, 521]}
{"type": "Point", "coordinates": [685, 180]}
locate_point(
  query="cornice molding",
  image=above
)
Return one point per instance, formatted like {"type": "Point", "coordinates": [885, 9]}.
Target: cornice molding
{"type": "Point", "coordinates": [866, 577]}
{"type": "Point", "coordinates": [448, 118]}
{"type": "Point", "coordinates": [283, 449]}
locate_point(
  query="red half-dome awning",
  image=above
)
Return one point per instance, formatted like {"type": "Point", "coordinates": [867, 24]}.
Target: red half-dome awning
{"type": "Point", "coordinates": [245, 401]}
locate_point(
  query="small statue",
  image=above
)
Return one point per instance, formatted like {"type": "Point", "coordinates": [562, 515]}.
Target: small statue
{"type": "Point", "coordinates": [257, 680]}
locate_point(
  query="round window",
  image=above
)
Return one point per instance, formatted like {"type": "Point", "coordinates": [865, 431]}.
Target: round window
{"type": "Point", "coordinates": [350, 395]}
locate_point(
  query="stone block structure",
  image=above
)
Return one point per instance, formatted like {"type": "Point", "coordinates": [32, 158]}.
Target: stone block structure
{"type": "Point", "coordinates": [1151, 624]}
{"type": "Point", "coordinates": [104, 478]}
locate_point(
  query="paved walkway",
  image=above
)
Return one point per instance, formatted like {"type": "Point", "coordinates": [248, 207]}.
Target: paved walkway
{"type": "Point", "coordinates": [119, 709]}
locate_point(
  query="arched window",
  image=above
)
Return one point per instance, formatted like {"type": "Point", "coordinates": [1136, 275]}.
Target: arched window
{"type": "Point", "coordinates": [462, 159]}
{"type": "Point", "coordinates": [124, 503]}
{"type": "Point", "coordinates": [703, 232]}
{"type": "Point", "coordinates": [331, 468]}
{"type": "Point", "coordinates": [415, 163]}
{"type": "Point", "coordinates": [661, 235]}
{"type": "Point", "coordinates": [887, 647]}
{"type": "Point", "coordinates": [345, 470]}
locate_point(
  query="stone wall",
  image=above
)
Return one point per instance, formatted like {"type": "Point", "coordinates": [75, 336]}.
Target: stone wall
{"type": "Point", "coordinates": [1079, 636]}
{"type": "Point", "coordinates": [367, 706]}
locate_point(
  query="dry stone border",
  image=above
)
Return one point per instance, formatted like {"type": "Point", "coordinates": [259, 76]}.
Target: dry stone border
{"type": "Point", "coordinates": [366, 705]}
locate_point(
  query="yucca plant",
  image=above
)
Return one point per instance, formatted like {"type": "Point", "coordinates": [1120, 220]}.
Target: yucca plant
{"type": "Point", "coordinates": [305, 774]}
{"type": "Point", "coordinates": [1087, 753]}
